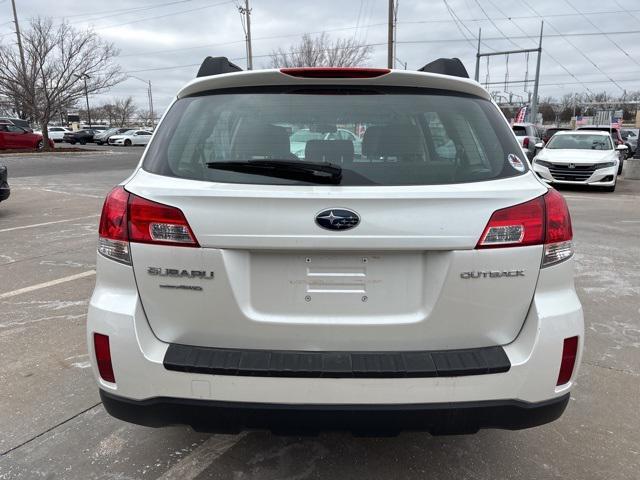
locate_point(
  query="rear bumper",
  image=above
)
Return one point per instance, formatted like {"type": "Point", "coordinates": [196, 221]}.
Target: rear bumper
{"type": "Point", "coordinates": [233, 417]}
{"type": "Point", "coordinates": [143, 380]}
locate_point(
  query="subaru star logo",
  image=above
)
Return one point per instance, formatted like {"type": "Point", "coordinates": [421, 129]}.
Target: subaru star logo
{"type": "Point", "coordinates": [337, 219]}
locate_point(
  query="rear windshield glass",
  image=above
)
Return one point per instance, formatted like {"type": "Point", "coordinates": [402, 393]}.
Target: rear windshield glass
{"type": "Point", "coordinates": [377, 137]}
{"type": "Point", "coordinates": [580, 142]}
{"type": "Point", "coordinates": [520, 131]}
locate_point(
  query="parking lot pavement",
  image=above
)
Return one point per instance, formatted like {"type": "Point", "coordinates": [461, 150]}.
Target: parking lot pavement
{"type": "Point", "coordinates": [53, 426]}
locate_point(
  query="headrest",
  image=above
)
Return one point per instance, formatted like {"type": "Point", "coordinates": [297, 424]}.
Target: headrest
{"type": "Point", "coordinates": [398, 140]}
{"type": "Point", "coordinates": [261, 140]}
{"type": "Point", "coordinates": [334, 151]}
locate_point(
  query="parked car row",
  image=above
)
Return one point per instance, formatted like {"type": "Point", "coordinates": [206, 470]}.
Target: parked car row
{"type": "Point", "coordinates": [113, 136]}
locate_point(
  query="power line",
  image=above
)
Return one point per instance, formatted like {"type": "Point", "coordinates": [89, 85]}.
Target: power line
{"type": "Point", "coordinates": [524, 17]}
{"type": "Point", "coordinates": [626, 11]}
{"type": "Point", "coordinates": [496, 26]}
{"type": "Point", "coordinates": [272, 37]}
{"type": "Point", "coordinates": [173, 14]}
{"type": "Point", "coordinates": [115, 13]}
{"type": "Point", "coordinates": [607, 36]}
{"type": "Point", "coordinates": [561, 65]}
{"type": "Point", "coordinates": [574, 46]}
{"type": "Point", "coordinates": [454, 18]}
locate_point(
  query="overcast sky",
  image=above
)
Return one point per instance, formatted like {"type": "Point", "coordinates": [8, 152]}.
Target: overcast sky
{"type": "Point", "coordinates": [164, 41]}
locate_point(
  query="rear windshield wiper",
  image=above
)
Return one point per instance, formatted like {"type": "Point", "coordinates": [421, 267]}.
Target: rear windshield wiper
{"type": "Point", "coordinates": [290, 169]}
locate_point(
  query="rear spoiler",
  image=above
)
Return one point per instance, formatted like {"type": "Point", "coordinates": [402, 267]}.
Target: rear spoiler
{"type": "Point", "coordinates": [446, 66]}
{"type": "Point", "coordinates": [216, 66]}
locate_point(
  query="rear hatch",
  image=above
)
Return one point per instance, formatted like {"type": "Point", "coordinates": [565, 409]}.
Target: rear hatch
{"type": "Point", "coordinates": [271, 271]}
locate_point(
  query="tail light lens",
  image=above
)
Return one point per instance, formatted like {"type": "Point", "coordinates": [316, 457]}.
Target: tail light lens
{"type": "Point", "coordinates": [128, 218]}
{"type": "Point", "coordinates": [568, 362]}
{"type": "Point", "coordinates": [103, 357]}
{"type": "Point", "coordinates": [515, 226]}
{"type": "Point", "coordinates": [543, 220]}
{"type": "Point", "coordinates": [525, 142]}
{"type": "Point", "coordinates": [113, 233]}
{"type": "Point", "coordinates": [151, 222]}
{"type": "Point", "coordinates": [558, 245]}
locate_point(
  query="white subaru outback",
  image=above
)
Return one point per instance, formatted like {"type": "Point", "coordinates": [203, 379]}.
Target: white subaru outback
{"type": "Point", "coordinates": [422, 283]}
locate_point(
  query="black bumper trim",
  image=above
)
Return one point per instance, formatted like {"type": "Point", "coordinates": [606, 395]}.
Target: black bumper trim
{"type": "Point", "coordinates": [279, 363]}
{"type": "Point", "coordinates": [4, 193]}
{"type": "Point", "coordinates": [389, 419]}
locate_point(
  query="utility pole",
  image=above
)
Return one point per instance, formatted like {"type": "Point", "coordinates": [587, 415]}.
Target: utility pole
{"type": "Point", "coordinates": [390, 35]}
{"type": "Point", "coordinates": [153, 118]}
{"type": "Point", "coordinates": [19, 37]}
{"type": "Point", "coordinates": [84, 76]}
{"type": "Point", "coordinates": [477, 75]}
{"type": "Point", "coordinates": [246, 26]}
{"type": "Point", "coordinates": [534, 100]}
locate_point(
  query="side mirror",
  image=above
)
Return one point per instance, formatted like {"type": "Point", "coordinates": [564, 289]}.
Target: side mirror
{"type": "Point", "coordinates": [539, 145]}
{"type": "Point", "coordinates": [622, 147]}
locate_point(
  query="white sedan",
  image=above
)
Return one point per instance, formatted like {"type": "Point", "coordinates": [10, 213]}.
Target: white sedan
{"type": "Point", "coordinates": [131, 137]}
{"type": "Point", "coordinates": [55, 133]}
{"type": "Point", "coordinates": [579, 157]}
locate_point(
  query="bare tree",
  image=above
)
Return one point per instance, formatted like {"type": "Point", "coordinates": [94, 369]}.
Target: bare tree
{"type": "Point", "coordinates": [321, 51]}
{"type": "Point", "coordinates": [124, 110]}
{"type": "Point", "coordinates": [147, 118]}
{"type": "Point", "coordinates": [59, 59]}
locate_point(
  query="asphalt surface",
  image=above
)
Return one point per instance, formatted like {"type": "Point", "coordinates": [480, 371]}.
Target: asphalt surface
{"type": "Point", "coordinates": [53, 426]}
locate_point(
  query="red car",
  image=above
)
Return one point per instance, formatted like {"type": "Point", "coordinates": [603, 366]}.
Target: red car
{"type": "Point", "coordinates": [13, 137]}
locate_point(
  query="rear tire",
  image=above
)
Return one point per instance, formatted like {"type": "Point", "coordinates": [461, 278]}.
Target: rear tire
{"type": "Point", "coordinates": [40, 145]}
{"type": "Point", "coordinates": [83, 142]}
{"type": "Point", "coordinates": [621, 165]}
{"type": "Point", "coordinates": [127, 143]}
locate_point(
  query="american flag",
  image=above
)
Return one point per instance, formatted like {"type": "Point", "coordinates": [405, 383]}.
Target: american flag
{"type": "Point", "coordinates": [522, 115]}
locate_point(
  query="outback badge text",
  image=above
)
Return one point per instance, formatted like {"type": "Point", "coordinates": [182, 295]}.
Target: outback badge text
{"type": "Point", "coordinates": [492, 274]}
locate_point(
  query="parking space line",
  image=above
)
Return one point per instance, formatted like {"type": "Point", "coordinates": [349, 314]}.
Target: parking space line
{"type": "Point", "coordinates": [202, 457]}
{"type": "Point", "coordinates": [47, 223]}
{"type": "Point", "coordinates": [51, 283]}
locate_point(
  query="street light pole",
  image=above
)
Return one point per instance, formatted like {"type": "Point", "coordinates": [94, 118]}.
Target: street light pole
{"type": "Point", "coordinates": [84, 76]}
{"type": "Point", "coordinates": [149, 98]}
{"type": "Point", "coordinates": [153, 122]}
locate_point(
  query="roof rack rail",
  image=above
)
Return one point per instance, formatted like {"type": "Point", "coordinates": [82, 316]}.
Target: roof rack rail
{"type": "Point", "coordinates": [446, 66]}
{"type": "Point", "coordinates": [216, 66]}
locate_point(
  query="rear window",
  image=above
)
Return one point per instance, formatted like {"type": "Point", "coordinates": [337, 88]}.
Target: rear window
{"type": "Point", "coordinates": [381, 136]}
{"type": "Point", "coordinates": [519, 131]}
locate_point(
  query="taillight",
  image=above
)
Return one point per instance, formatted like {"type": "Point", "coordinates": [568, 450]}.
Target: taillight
{"type": "Point", "coordinates": [569, 354]}
{"type": "Point", "coordinates": [543, 220]}
{"type": "Point", "coordinates": [113, 241]}
{"type": "Point", "coordinates": [128, 218]}
{"type": "Point", "coordinates": [103, 357]}
{"type": "Point", "coordinates": [515, 226]}
{"type": "Point", "coordinates": [334, 72]}
{"type": "Point", "coordinates": [525, 142]}
{"type": "Point", "coordinates": [151, 222]}
{"type": "Point", "coordinates": [558, 232]}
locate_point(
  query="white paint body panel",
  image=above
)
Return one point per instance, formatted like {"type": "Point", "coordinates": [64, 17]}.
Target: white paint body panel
{"type": "Point", "coordinates": [281, 282]}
